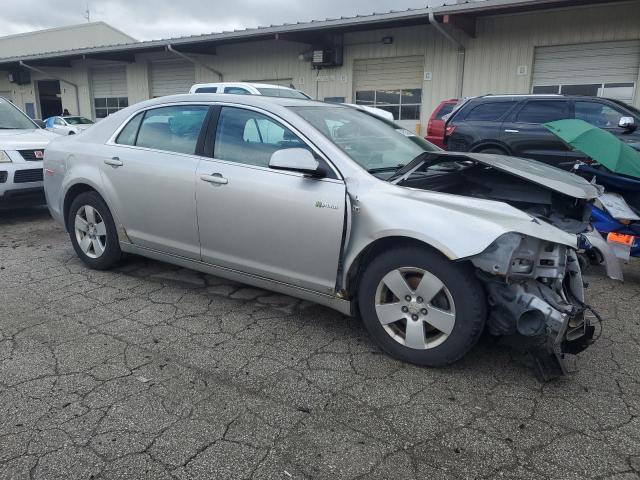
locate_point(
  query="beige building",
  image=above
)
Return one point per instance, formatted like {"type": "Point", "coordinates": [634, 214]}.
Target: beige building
{"type": "Point", "coordinates": [406, 62]}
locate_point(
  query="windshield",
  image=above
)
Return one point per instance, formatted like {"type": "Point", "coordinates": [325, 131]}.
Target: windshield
{"type": "Point", "coordinates": [12, 118]}
{"type": "Point", "coordinates": [282, 92]}
{"type": "Point", "coordinates": [627, 106]}
{"type": "Point", "coordinates": [77, 121]}
{"type": "Point", "coordinates": [379, 146]}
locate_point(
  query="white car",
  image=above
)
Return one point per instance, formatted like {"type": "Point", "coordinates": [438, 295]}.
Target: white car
{"type": "Point", "coordinates": [22, 144]}
{"type": "Point", "coordinates": [268, 90]}
{"type": "Point", "coordinates": [67, 125]}
{"type": "Point", "coordinates": [246, 88]}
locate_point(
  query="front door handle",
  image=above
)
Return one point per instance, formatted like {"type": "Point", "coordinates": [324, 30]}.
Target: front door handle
{"type": "Point", "coordinates": [114, 162]}
{"type": "Point", "coordinates": [214, 178]}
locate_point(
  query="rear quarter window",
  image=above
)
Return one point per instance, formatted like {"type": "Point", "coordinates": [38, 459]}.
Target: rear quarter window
{"type": "Point", "coordinates": [207, 90]}
{"type": "Point", "coordinates": [446, 109]}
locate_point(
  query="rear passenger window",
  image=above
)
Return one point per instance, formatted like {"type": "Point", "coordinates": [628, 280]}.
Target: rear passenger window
{"type": "Point", "coordinates": [543, 112]}
{"type": "Point", "coordinates": [489, 112]}
{"type": "Point", "coordinates": [174, 129]}
{"type": "Point", "coordinates": [127, 135]}
{"type": "Point", "coordinates": [236, 91]}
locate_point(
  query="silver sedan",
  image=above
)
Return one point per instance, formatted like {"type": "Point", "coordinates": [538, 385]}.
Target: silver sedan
{"type": "Point", "coordinates": [330, 204]}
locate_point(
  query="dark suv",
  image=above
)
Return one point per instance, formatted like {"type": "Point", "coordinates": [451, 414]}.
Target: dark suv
{"type": "Point", "coordinates": [512, 125]}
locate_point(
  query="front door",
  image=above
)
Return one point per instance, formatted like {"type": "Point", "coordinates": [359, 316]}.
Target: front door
{"type": "Point", "coordinates": [274, 224]}
{"type": "Point", "coordinates": [149, 177]}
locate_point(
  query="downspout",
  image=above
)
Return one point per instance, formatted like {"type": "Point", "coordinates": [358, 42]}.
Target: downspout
{"type": "Point", "coordinates": [194, 61]}
{"type": "Point", "coordinates": [461, 51]}
{"type": "Point", "coordinates": [55, 77]}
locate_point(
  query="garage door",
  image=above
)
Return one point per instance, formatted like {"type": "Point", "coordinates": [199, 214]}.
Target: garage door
{"type": "Point", "coordinates": [170, 78]}
{"type": "Point", "coordinates": [109, 89]}
{"type": "Point", "coordinates": [608, 69]}
{"type": "Point", "coordinates": [393, 84]}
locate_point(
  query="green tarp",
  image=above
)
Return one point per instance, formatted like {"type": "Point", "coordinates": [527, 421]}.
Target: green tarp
{"type": "Point", "coordinates": [602, 146]}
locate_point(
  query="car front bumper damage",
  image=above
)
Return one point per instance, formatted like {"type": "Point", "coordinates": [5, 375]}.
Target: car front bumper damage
{"type": "Point", "coordinates": [535, 290]}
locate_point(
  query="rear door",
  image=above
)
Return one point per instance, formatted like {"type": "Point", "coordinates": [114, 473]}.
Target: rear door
{"type": "Point", "coordinates": [279, 225]}
{"type": "Point", "coordinates": [149, 177]}
{"type": "Point", "coordinates": [525, 136]}
{"type": "Point", "coordinates": [479, 125]}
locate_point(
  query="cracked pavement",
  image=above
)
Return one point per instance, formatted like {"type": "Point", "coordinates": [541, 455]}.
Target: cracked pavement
{"type": "Point", "coordinates": [150, 371]}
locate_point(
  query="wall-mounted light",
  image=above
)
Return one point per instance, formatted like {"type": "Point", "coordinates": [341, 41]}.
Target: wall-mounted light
{"type": "Point", "coordinates": [387, 40]}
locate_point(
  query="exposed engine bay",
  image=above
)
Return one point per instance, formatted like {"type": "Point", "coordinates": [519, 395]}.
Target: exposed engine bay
{"type": "Point", "coordinates": [465, 177]}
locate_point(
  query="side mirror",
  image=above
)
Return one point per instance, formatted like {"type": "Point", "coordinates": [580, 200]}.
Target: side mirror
{"type": "Point", "coordinates": [40, 123]}
{"type": "Point", "coordinates": [296, 160]}
{"type": "Point", "coordinates": [628, 123]}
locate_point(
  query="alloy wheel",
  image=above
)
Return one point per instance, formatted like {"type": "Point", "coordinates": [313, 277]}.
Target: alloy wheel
{"type": "Point", "coordinates": [415, 308]}
{"type": "Point", "coordinates": [91, 231]}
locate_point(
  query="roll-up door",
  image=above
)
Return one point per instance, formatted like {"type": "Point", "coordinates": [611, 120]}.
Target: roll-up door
{"type": "Point", "coordinates": [109, 89]}
{"type": "Point", "coordinates": [393, 84]}
{"type": "Point", "coordinates": [171, 78]}
{"type": "Point", "coordinates": [606, 69]}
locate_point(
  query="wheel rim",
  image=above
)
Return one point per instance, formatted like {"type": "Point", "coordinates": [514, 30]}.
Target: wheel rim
{"type": "Point", "coordinates": [91, 231]}
{"type": "Point", "coordinates": [415, 308]}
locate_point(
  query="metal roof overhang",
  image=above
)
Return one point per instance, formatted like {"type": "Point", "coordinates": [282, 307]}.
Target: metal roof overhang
{"type": "Point", "coordinates": [462, 16]}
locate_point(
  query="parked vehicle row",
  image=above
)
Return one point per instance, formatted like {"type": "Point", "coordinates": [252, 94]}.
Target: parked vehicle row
{"type": "Point", "coordinates": [513, 125]}
{"type": "Point", "coordinates": [67, 125]}
{"type": "Point", "coordinates": [335, 205]}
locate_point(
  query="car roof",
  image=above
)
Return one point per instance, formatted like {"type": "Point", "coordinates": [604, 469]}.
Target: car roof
{"type": "Point", "coordinates": [251, 100]}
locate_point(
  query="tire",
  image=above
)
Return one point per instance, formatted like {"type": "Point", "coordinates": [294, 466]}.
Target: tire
{"type": "Point", "coordinates": [492, 151]}
{"type": "Point", "coordinates": [459, 294]}
{"type": "Point", "coordinates": [72, 133]}
{"type": "Point", "coordinates": [97, 245]}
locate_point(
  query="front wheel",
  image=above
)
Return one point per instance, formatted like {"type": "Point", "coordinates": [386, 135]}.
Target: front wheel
{"type": "Point", "coordinates": [93, 232]}
{"type": "Point", "coordinates": [420, 307]}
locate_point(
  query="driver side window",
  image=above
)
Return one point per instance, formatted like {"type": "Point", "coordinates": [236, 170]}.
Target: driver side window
{"type": "Point", "coordinates": [248, 137]}
{"type": "Point", "coordinates": [598, 114]}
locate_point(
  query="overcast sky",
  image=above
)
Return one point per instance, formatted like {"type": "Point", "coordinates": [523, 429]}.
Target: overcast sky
{"type": "Point", "coordinates": [152, 19]}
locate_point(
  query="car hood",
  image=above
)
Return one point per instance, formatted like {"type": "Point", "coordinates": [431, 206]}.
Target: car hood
{"type": "Point", "coordinates": [539, 173]}
{"type": "Point", "coordinates": [17, 139]}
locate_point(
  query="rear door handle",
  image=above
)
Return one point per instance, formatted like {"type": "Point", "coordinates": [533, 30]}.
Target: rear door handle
{"type": "Point", "coordinates": [214, 178]}
{"type": "Point", "coordinates": [508, 130]}
{"type": "Point", "coordinates": [114, 162]}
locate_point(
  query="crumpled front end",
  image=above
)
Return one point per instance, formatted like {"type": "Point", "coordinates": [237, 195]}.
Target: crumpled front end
{"type": "Point", "coordinates": [535, 289]}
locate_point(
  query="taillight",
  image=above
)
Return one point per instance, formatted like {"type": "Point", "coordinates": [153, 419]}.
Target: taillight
{"type": "Point", "coordinates": [449, 130]}
{"type": "Point", "coordinates": [430, 127]}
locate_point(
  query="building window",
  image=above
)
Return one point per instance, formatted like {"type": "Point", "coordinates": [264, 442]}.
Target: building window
{"type": "Point", "coordinates": [617, 91]}
{"type": "Point", "coordinates": [404, 104]}
{"type": "Point", "coordinates": [106, 106]}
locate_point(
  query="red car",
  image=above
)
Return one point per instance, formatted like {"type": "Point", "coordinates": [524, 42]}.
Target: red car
{"type": "Point", "coordinates": [435, 127]}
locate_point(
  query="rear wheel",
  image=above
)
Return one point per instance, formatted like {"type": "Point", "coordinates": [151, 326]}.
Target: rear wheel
{"type": "Point", "coordinates": [420, 307]}
{"type": "Point", "coordinates": [93, 232]}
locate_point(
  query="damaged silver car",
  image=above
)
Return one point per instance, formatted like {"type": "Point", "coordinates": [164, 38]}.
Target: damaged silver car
{"type": "Point", "coordinates": [330, 204]}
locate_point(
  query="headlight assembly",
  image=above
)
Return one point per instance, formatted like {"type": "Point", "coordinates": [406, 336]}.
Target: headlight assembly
{"type": "Point", "coordinates": [4, 158]}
